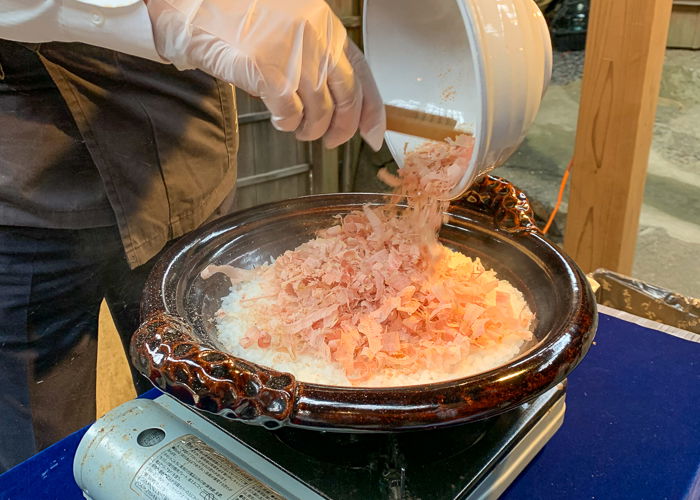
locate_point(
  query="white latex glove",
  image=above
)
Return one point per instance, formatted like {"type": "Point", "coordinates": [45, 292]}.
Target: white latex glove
{"type": "Point", "coordinates": [294, 54]}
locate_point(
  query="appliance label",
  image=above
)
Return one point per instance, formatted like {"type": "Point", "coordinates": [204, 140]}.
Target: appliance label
{"type": "Point", "coordinates": [188, 468]}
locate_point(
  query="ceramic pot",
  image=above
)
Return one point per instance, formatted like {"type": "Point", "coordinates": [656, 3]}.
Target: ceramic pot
{"type": "Point", "coordinates": [176, 346]}
{"type": "Point", "coordinates": [485, 63]}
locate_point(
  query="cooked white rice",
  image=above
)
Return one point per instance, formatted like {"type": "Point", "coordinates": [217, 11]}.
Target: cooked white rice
{"type": "Point", "coordinates": [234, 319]}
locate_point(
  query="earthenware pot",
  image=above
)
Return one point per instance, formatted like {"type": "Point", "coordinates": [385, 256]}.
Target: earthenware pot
{"type": "Point", "coordinates": [176, 346]}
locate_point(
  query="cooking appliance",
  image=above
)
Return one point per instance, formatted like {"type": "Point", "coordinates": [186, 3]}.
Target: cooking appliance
{"type": "Point", "coordinates": [466, 438]}
{"type": "Point", "coordinates": [166, 450]}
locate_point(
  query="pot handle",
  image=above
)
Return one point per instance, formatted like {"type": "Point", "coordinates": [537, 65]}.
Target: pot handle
{"type": "Point", "coordinates": [499, 198]}
{"type": "Point", "coordinates": [164, 349]}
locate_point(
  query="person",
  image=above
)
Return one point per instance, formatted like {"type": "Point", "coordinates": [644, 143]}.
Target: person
{"type": "Point", "coordinates": [117, 136]}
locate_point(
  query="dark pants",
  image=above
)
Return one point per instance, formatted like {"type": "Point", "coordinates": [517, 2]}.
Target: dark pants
{"type": "Point", "coordinates": [52, 282]}
{"type": "Point", "coordinates": [161, 142]}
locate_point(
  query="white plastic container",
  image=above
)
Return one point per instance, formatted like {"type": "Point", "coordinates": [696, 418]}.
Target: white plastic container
{"type": "Point", "coordinates": [485, 63]}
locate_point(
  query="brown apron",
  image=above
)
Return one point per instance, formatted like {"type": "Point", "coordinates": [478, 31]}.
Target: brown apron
{"type": "Point", "coordinates": [91, 137]}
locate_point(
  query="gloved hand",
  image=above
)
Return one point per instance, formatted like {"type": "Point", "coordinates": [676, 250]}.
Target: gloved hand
{"type": "Point", "coordinates": [294, 54]}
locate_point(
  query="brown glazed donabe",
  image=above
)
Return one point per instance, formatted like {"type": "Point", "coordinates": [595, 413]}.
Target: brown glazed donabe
{"type": "Point", "coordinates": [184, 361]}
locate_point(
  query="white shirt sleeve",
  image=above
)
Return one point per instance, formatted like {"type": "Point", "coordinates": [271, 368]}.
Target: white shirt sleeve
{"type": "Point", "coordinates": [121, 25]}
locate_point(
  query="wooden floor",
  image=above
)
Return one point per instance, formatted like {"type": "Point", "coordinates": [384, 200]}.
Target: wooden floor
{"type": "Point", "coordinates": [114, 385]}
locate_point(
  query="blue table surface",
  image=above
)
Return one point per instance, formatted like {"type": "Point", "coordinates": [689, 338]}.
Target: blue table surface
{"type": "Point", "coordinates": [631, 430]}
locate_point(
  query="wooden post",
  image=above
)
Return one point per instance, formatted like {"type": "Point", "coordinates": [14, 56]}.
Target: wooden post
{"type": "Point", "coordinates": [324, 167]}
{"type": "Point", "coordinates": [621, 79]}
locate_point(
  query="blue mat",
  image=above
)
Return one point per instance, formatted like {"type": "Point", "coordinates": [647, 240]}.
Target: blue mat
{"type": "Point", "coordinates": [631, 430]}
{"type": "Point", "coordinates": [632, 423]}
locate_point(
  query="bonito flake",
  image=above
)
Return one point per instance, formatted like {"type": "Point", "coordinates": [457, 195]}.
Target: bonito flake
{"type": "Point", "coordinates": [375, 299]}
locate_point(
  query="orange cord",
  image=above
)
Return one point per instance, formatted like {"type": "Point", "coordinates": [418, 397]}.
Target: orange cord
{"type": "Point", "coordinates": [562, 187]}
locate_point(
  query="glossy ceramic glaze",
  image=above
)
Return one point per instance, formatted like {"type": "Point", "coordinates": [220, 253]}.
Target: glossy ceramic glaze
{"type": "Point", "coordinates": [485, 63]}
{"type": "Point", "coordinates": [176, 346]}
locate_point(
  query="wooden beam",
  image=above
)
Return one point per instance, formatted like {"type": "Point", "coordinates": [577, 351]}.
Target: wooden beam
{"type": "Point", "coordinates": [621, 79]}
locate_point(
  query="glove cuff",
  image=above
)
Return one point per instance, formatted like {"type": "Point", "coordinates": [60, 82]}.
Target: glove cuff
{"type": "Point", "coordinates": [172, 29]}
